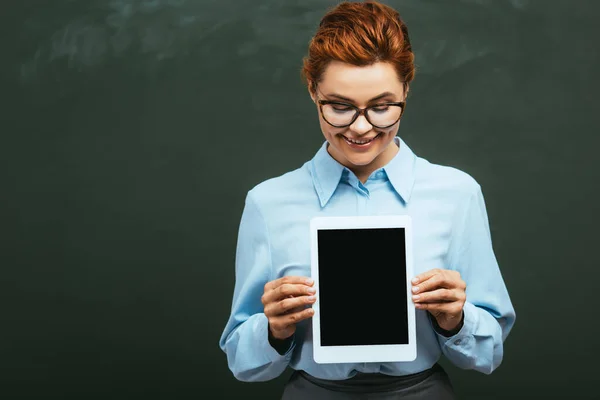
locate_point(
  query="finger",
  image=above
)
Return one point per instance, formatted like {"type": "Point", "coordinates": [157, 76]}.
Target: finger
{"type": "Point", "coordinates": [287, 290]}
{"type": "Point", "coordinates": [296, 309]}
{"type": "Point", "coordinates": [425, 275]}
{"type": "Point", "coordinates": [283, 323]}
{"type": "Point", "coordinates": [294, 318]}
{"type": "Point", "coordinates": [439, 295]}
{"type": "Point", "coordinates": [445, 279]}
{"type": "Point", "coordinates": [451, 308]}
{"type": "Point", "coordinates": [299, 308]}
{"type": "Point", "coordinates": [432, 283]}
{"type": "Point", "coordinates": [286, 305]}
{"type": "Point", "coordinates": [288, 280]}
{"type": "Point", "coordinates": [460, 283]}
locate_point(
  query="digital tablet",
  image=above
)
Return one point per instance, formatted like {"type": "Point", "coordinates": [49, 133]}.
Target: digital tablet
{"type": "Point", "coordinates": [362, 268]}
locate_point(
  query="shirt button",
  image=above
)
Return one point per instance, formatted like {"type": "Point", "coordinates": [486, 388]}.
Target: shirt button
{"type": "Point", "coordinates": [458, 341]}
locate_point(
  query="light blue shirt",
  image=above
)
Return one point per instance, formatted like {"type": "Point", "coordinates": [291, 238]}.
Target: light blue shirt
{"type": "Point", "coordinates": [450, 231]}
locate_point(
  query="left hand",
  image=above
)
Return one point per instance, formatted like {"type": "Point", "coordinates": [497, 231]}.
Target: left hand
{"type": "Point", "coordinates": [442, 293]}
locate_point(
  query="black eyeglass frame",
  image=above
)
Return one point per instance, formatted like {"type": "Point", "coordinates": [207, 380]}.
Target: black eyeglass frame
{"type": "Point", "coordinates": [361, 111]}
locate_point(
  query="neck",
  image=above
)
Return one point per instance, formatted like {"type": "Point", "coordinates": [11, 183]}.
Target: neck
{"type": "Point", "coordinates": [363, 172]}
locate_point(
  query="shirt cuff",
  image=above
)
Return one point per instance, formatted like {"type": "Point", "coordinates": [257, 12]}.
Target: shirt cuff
{"type": "Point", "coordinates": [270, 352]}
{"type": "Point", "coordinates": [464, 336]}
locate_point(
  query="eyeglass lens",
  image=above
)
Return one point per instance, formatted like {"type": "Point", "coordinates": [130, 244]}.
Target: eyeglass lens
{"type": "Point", "coordinates": [384, 115]}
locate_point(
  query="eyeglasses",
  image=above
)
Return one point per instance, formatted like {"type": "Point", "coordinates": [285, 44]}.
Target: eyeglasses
{"type": "Point", "coordinates": [341, 115]}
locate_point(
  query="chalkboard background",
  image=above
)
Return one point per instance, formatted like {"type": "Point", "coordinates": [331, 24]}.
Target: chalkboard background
{"type": "Point", "coordinates": [132, 129]}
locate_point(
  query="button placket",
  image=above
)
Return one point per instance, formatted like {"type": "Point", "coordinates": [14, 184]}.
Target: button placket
{"type": "Point", "coordinates": [362, 202]}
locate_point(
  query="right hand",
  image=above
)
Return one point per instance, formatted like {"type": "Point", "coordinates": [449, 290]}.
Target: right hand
{"type": "Point", "coordinates": [285, 300]}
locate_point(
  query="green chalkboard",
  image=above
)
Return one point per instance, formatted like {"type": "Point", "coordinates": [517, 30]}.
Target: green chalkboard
{"type": "Point", "coordinates": [132, 129]}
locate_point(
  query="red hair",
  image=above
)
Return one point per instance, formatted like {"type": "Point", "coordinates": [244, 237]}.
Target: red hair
{"type": "Point", "coordinates": [360, 34]}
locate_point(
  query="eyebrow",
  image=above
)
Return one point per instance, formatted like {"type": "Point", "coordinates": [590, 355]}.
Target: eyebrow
{"type": "Point", "coordinates": [382, 95]}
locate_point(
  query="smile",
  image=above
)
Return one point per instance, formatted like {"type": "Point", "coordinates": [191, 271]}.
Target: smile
{"type": "Point", "coordinates": [360, 142]}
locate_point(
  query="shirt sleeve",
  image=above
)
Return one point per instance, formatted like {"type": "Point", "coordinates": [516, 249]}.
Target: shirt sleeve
{"type": "Point", "coordinates": [488, 312]}
{"type": "Point", "coordinates": [245, 339]}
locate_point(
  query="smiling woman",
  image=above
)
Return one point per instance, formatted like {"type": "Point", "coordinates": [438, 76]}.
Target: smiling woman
{"type": "Point", "coordinates": [358, 71]}
{"type": "Point", "coordinates": [361, 55]}
{"type": "Point", "coordinates": [363, 143]}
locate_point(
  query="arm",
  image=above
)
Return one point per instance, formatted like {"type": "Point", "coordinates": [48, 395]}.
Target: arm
{"type": "Point", "coordinates": [245, 339]}
{"type": "Point", "coordinates": [488, 315]}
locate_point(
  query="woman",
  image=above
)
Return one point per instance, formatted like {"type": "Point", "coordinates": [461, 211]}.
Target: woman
{"type": "Point", "coordinates": [358, 70]}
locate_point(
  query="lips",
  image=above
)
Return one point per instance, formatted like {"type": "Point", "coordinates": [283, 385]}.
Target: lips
{"type": "Point", "coordinates": [361, 141]}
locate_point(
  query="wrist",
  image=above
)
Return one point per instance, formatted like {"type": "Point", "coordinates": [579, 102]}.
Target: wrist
{"type": "Point", "coordinates": [280, 345]}
{"type": "Point", "coordinates": [449, 330]}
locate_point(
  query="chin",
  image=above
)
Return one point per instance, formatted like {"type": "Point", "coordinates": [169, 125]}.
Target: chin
{"type": "Point", "coordinates": [360, 160]}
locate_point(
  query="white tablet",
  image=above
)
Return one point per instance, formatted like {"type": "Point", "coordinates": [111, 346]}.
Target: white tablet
{"type": "Point", "coordinates": [362, 268]}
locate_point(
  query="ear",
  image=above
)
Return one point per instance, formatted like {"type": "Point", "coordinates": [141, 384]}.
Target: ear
{"type": "Point", "coordinates": [312, 94]}
{"type": "Point", "coordinates": [406, 90]}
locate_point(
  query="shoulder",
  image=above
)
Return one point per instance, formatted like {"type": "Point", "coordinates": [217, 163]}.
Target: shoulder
{"type": "Point", "coordinates": [445, 180]}
{"type": "Point", "coordinates": [283, 188]}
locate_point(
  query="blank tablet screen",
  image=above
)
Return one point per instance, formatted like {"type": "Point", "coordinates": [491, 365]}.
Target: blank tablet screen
{"type": "Point", "coordinates": [362, 286]}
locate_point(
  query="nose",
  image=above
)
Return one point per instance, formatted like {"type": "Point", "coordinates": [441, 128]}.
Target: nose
{"type": "Point", "coordinates": [361, 125]}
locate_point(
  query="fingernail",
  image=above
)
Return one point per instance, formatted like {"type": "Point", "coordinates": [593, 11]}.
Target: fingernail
{"type": "Point", "coordinates": [415, 280]}
{"type": "Point", "coordinates": [309, 281]}
{"type": "Point", "coordinates": [416, 297]}
{"type": "Point", "coordinates": [312, 290]}
{"type": "Point", "coordinates": [311, 298]}
{"type": "Point", "coordinates": [415, 289]}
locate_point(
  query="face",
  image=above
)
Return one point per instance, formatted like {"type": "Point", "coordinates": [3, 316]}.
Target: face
{"type": "Point", "coordinates": [359, 86]}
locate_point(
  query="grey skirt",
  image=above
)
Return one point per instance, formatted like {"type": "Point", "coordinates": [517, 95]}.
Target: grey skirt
{"type": "Point", "coordinates": [429, 384]}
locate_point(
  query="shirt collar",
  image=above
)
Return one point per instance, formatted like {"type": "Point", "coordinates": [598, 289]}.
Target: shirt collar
{"type": "Point", "coordinates": [327, 172]}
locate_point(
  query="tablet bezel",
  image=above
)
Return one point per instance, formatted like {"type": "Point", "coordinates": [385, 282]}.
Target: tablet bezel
{"type": "Point", "coordinates": [363, 353]}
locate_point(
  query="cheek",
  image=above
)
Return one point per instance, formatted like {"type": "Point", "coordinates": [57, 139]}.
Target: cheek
{"type": "Point", "coordinates": [390, 133]}
{"type": "Point", "coordinates": [330, 131]}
